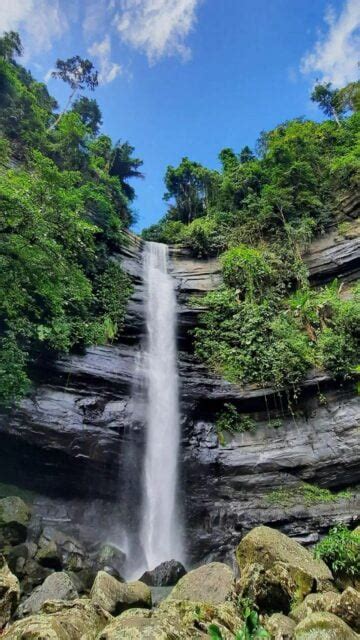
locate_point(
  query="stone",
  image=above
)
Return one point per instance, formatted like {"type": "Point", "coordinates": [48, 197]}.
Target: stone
{"type": "Point", "coordinates": [347, 607]}
{"type": "Point", "coordinates": [14, 519]}
{"type": "Point", "coordinates": [114, 596]}
{"type": "Point", "coordinates": [211, 583]}
{"type": "Point", "coordinates": [323, 626]}
{"type": "Point", "coordinates": [9, 592]}
{"type": "Point", "coordinates": [33, 575]}
{"type": "Point", "coordinates": [49, 556]}
{"type": "Point", "coordinates": [111, 559]}
{"type": "Point", "coordinates": [18, 556]}
{"type": "Point", "coordinates": [313, 603]}
{"type": "Point", "coordinates": [59, 550]}
{"type": "Point", "coordinates": [76, 620]}
{"type": "Point", "coordinates": [280, 627]}
{"type": "Point", "coordinates": [166, 574]}
{"type": "Point", "coordinates": [57, 586]}
{"type": "Point", "coordinates": [174, 620]}
{"type": "Point", "coordinates": [266, 546]}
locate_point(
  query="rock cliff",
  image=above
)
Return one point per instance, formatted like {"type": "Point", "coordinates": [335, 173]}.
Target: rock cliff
{"type": "Point", "coordinates": [76, 442]}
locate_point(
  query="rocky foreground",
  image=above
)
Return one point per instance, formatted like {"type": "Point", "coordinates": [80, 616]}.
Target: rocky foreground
{"type": "Point", "coordinates": [51, 589]}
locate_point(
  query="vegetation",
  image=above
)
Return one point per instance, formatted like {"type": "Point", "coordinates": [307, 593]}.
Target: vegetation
{"type": "Point", "coordinates": [252, 629]}
{"type": "Point", "coordinates": [307, 493]}
{"type": "Point", "coordinates": [266, 326]}
{"type": "Point", "coordinates": [340, 549]}
{"type": "Point", "coordinates": [229, 420]}
{"type": "Point", "coordinates": [65, 201]}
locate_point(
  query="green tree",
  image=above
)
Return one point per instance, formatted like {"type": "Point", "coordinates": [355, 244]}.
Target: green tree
{"type": "Point", "coordinates": [89, 112]}
{"type": "Point", "coordinates": [79, 73]}
{"type": "Point", "coordinates": [328, 100]}
{"type": "Point", "coordinates": [10, 45]}
{"type": "Point", "coordinates": [190, 186]}
{"type": "Point", "coordinates": [124, 166]}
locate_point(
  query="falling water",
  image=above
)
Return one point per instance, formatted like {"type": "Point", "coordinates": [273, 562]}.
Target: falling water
{"type": "Point", "coordinates": [161, 529]}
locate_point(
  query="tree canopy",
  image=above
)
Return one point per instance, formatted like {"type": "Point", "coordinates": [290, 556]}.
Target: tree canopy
{"type": "Point", "coordinates": [63, 216]}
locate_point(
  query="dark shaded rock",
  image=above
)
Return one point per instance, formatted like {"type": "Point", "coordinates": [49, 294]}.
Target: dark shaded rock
{"type": "Point", "coordinates": [14, 519]}
{"type": "Point", "coordinates": [166, 574]}
{"type": "Point", "coordinates": [58, 550]}
{"type": "Point", "coordinates": [110, 559]}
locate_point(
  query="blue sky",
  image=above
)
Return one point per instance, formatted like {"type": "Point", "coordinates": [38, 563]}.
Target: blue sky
{"type": "Point", "coordinates": [189, 77]}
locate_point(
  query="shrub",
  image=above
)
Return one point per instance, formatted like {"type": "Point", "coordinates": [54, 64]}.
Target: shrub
{"type": "Point", "coordinates": [248, 270]}
{"type": "Point", "coordinates": [232, 421]}
{"type": "Point", "coordinates": [340, 549]}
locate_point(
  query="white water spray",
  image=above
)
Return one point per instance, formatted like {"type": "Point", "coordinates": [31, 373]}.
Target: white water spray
{"type": "Point", "coordinates": [161, 529]}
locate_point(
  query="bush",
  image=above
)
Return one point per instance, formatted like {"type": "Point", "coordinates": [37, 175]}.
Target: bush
{"type": "Point", "coordinates": [231, 421]}
{"type": "Point", "coordinates": [248, 270]}
{"type": "Point", "coordinates": [340, 549]}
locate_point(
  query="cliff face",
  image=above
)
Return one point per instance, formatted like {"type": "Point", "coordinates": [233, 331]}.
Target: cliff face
{"type": "Point", "coordinates": [77, 441]}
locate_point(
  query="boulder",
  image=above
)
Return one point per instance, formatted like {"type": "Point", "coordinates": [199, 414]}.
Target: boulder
{"type": "Point", "coordinates": [33, 575]}
{"type": "Point", "coordinates": [49, 556]}
{"type": "Point", "coordinates": [76, 620]}
{"type": "Point", "coordinates": [57, 586]}
{"type": "Point", "coordinates": [280, 627]}
{"type": "Point", "coordinates": [267, 547]}
{"type": "Point", "coordinates": [111, 559]}
{"type": "Point", "coordinates": [9, 593]}
{"type": "Point", "coordinates": [211, 583]}
{"type": "Point", "coordinates": [174, 620]}
{"type": "Point", "coordinates": [166, 574]}
{"type": "Point", "coordinates": [59, 550]}
{"type": "Point", "coordinates": [323, 626]}
{"type": "Point", "coordinates": [347, 607]}
{"type": "Point", "coordinates": [114, 596]}
{"type": "Point", "coordinates": [313, 603]}
{"type": "Point", "coordinates": [18, 556]}
{"type": "Point", "coordinates": [14, 519]}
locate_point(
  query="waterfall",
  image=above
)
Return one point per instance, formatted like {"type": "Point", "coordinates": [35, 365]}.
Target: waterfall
{"type": "Point", "coordinates": [161, 527]}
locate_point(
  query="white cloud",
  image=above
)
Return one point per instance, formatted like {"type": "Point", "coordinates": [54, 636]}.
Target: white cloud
{"type": "Point", "coordinates": [108, 70]}
{"type": "Point", "coordinates": [40, 22]}
{"type": "Point", "coordinates": [336, 54]}
{"type": "Point", "coordinates": [157, 27]}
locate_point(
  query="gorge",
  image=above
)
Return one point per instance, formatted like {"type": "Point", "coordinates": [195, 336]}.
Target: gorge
{"type": "Point", "coordinates": [67, 444]}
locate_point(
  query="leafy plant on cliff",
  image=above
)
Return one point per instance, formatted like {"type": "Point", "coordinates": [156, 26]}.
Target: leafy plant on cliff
{"type": "Point", "coordinates": [340, 549]}
{"type": "Point", "coordinates": [233, 422]}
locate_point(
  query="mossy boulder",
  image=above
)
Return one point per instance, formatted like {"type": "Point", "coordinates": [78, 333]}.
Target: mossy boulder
{"type": "Point", "coordinates": [174, 620]}
{"type": "Point", "coordinates": [324, 626]}
{"type": "Point", "coordinates": [211, 583]}
{"type": "Point", "coordinates": [271, 548]}
{"type": "Point", "coordinates": [14, 520]}
{"type": "Point", "coordinates": [57, 586]}
{"type": "Point", "coordinates": [313, 603]}
{"type": "Point", "coordinates": [114, 596]}
{"type": "Point", "coordinates": [9, 592]}
{"type": "Point", "coordinates": [77, 620]}
{"type": "Point", "coordinates": [347, 607]}
{"type": "Point", "coordinates": [280, 627]}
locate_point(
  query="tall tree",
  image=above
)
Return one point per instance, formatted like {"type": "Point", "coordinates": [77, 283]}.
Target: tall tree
{"type": "Point", "coordinates": [10, 45]}
{"type": "Point", "coordinates": [79, 74]}
{"type": "Point", "coordinates": [189, 184]}
{"type": "Point", "coordinates": [89, 112]}
{"type": "Point", "coordinates": [123, 165]}
{"type": "Point", "coordinates": [328, 100]}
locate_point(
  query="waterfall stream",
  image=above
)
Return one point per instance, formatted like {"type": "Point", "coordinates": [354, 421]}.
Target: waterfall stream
{"type": "Point", "coordinates": [161, 528]}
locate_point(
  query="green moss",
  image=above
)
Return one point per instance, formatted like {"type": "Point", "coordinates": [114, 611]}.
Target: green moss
{"type": "Point", "coordinates": [306, 493]}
